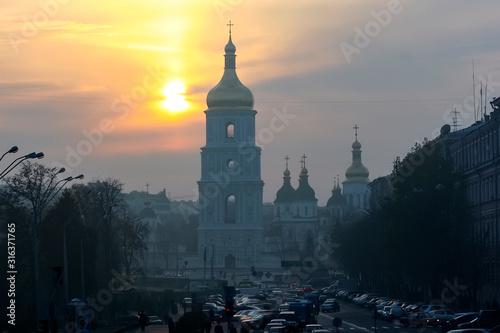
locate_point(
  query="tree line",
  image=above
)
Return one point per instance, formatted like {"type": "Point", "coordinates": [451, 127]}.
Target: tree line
{"type": "Point", "coordinates": [105, 241]}
{"type": "Point", "coordinates": [418, 243]}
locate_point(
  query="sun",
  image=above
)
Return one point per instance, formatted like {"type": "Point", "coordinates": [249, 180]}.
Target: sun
{"type": "Point", "coordinates": [175, 101]}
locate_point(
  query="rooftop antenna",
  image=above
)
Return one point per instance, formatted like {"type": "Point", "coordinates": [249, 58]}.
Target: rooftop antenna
{"type": "Point", "coordinates": [485, 98]}
{"type": "Point", "coordinates": [455, 119]}
{"type": "Point", "coordinates": [474, 91]}
{"type": "Point", "coordinates": [480, 101]}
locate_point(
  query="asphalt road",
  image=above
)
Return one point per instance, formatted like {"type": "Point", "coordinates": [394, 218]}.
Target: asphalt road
{"type": "Point", "coordinates": [354, 320]}
{"type": "Point", "coordinates": [360, 320]}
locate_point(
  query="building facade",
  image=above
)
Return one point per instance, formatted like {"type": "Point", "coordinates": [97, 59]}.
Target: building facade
{"type": "Point", "coordinates": [475, 152]}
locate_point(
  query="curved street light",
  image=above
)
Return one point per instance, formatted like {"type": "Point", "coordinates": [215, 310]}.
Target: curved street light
{"type": "Point", "coordinates": [65, 180]}
{"type": "Point", "coordinates": [14, 149]}
{"type": "Point", "coordinates": [19, 160]}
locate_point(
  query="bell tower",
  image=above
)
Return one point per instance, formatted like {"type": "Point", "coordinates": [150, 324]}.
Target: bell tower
{"type": "Point", "coordinates": [230, 188]}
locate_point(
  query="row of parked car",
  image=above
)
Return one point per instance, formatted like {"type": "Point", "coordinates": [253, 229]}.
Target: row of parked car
{"type": "Point", "coordinates": [420, 314]}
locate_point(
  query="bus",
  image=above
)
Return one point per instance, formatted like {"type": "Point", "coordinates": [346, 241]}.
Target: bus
{"type": "Point", "coordinates": [304, 311]}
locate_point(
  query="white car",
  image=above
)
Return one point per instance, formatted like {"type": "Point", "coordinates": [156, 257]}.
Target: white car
{"type": "Point", "coordinates": [311, 327]}
{"type": "Point", "coordinates": [279, 321]}
{"type": "Point", "coordinates": [277, 292]}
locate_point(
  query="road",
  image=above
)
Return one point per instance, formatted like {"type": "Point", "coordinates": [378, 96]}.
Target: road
{"type": "Point", "coordinates": [360, 320]}
{"type": "Point", "coordinates": [354, 320]}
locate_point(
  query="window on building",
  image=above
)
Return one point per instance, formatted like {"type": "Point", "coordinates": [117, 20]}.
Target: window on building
{"type": "Point", "coordinates": [231, 209]}
{"type": "Point", "coordinates": [230, 130]}
{"type": "Point", "coordinates": [230, 164]}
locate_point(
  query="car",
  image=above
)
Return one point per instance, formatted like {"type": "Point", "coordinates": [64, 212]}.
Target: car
{"type": "Point", "coordinates": [395, 313]}
{"type": "Point", "coordinates": [238, 316]}
{"type": "Point", "coordinates": [470, 330]}
{"type": "Point", "coordinates": [432, 307]}
{"type": "Point", "coordinates": [307, 289]}
{"type": "Point", "coordinates": [385, 311]}
{"type": "Point", "coordinates": [418, 319]}
{"type": "Point", "coordinates": [486, 319]}
{"type": "Point", "coordinates": [330, 305]}
{"type": "Point", "coordinates": [311, 327]}
{"type": "Point", "coordinates": [442, 315]}
{"type": "Point", "coordinates": [259, 320]}
{"type": "Point", "coordinates": [321, 330]}
{"type": "Point", "coordinates": [155, 320]}
{"type": "Point", "coordinates": [283, 307]}
{"type": "Point", "coordinates": [279, 320]}
{"type": "Point", "coordinates": [290, 317]}
{"type": "Point", "coordinates": [453, 323]}
{"type": "Point", "coordinates": [277, 292]}
{"type": "Point", "coordinates": [187, 301]}
{"type": "Point", "coordinates": [270, 325]}
{"type": "Point", "coordinates": [277, 329]}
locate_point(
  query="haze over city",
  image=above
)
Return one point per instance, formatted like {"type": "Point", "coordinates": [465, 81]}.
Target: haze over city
{"type": "Point", "coordinates": [117, 88]}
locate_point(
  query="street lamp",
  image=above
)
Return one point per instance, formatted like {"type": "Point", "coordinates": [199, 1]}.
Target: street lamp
{"type": "Point", "coordinates": [14, 149]}
{"type": "Point", "coordinates": [19, 160]}
{"type": "Point", "coordinates": [65, 254]}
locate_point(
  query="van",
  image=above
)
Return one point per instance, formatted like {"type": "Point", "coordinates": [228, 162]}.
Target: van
{"type": "Point", "coordinates": [289, 316]}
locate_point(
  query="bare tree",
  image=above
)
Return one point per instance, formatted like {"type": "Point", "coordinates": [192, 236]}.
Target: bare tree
{"type": "Point", "coordinates": [37, 185]}
{"type": "Point", "coordinates": [132, 239]}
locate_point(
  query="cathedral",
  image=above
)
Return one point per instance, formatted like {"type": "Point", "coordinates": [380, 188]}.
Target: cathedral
{"type": "Point", "coordinates": [231, 235]}
{"type": "Point", "coordinates": [230, 188]}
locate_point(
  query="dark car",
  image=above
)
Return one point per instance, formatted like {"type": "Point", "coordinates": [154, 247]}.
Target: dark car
{"type": "Point", "coordinates": [330, 305]}
{"type": "Point", "coordinates": [259, 320]}
{"type": "Point", "coordinates": [453, 323]}
{"type": "Point", "coordinates": [155, 320]}
{"type": "Point", "coordinates": [486, 319]}
{"type": "Point", "coordinates": [418, 319]}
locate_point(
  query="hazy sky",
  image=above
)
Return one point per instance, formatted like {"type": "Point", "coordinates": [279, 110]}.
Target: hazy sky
{"type": "Point", "coordinates": [84, 81]}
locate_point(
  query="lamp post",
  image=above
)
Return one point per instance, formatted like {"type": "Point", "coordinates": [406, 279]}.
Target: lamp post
{"type": "Point", "coordinates": [18, 160]}
{"type": "Point", "coordinates": [65, 257]}
{"type": "Point", "coordinates": [8, 169]}
{"type": "Point", "coordinates": [65, 251]}
{"type": "Point", "coordinates": [82, 272]}
{"type": "Point", "coordinates": [14, 149]}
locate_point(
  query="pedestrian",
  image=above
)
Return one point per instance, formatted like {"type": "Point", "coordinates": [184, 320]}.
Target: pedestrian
{"type": "Point", "coordinates": [174, 309]}
{"type": "Point", "coordinates": [171, 325]}
{"type": "Point", "coordinates": [218, 328]}
{"type": "Point", "coordinates": [211, 315]}
{"type": "Point", "coordinates": [143, 321]}
{"type": "Point", "coordinates": [208, 326]}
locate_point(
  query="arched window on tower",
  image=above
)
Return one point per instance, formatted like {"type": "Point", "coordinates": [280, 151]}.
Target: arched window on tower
{"type": "Point", "coordinates": [231, 209]}
{"type": "Point", "coordinates": [229, 130]}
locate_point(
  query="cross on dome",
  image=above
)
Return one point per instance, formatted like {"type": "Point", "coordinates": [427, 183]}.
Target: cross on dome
{"type": "Point", "coordinates": [230, 25]}
{"type": "Point", "coordinates": [356, 131]}
{"type": "Point", "coordinates": [303, 161]}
